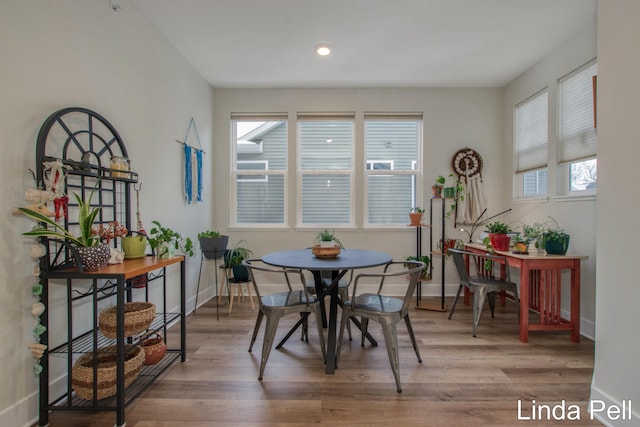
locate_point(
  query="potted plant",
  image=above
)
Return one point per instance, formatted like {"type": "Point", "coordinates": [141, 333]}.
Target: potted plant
{"type": "Point", "coordinates": [447, 243]}
{"type": "Point", "coordinates": [438, 185]}
{"type": "Point", "coordinates": [233, 259]}
{"type": "Point", "coordinates": [212, 243]}
{"type": "Point", "coordinates": [425, 270]}
{"type": "Point", "coordinates": [520, 244]}
{"type": "Point", "coordinates": [164, 241]}
{"type": "Point", "coordinates": [134, 246]}
{"type": "Point", "coordinates": [415, 216]}
{"type": "Point", "coordinates": [91, 252]}
{"type": "Point", "coordinates": [533, 236]}
{"type": "Point", "coordinates": [556, 240]}
{"type": "Point", "coordinates": [498, 235]}
{"type": "Point", "coordinates": [326, 245]}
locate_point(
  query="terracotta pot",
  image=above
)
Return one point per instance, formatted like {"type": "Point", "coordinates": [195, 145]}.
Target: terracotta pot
{"type": "Point", "coordinates": [500, 242]}
{"type": "Point", "coordinates": [415, 218]}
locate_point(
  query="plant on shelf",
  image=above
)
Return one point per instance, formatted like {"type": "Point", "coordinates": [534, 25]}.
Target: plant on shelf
{"type": "Point", "coordinates": [498, 235]}
{"type": "Point", "coordinates": [556, 240]}
{"type": "Point", "coordinates": [233, 259]}
{"type": "Point", "coordinates": [212, 243]}
{"type": "Point", "coordinates": [326, 238]}
{"type": "Point", "coordinates": [532, 235]}
{"type": "Point", "coordinates": [165, 241]}
{"type": "Point", "coordinates": [438, 185]}
{"type": "Point", "coordinates": [415, 215]}
{"type": "Point", "coordinates": [423, 258]}
{"type": "Point", "coordinates": [91, 259]}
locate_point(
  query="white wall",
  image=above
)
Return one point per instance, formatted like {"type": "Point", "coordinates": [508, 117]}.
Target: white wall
{"type": "Point", "coordinates": [454, 118]}
{"type": "Point", "coordinates": [574, 53]}
{"type": "Point", "coordinates": [616, 376]}
{"type": "Point", "coordinates": [78, 53]}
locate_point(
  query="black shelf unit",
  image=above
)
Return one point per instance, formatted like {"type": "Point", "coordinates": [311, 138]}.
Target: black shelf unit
{"type": "Point", "coordinates": [84, 142]}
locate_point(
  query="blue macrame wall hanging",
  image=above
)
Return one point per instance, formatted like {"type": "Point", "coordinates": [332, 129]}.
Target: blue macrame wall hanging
{"type": "Point", "coordinates": [192, 173]}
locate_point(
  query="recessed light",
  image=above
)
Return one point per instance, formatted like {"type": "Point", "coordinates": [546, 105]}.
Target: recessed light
{"type": "Point", "coordinates": [323, 49]}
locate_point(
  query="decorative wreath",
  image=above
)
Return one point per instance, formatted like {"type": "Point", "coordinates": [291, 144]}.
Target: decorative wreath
{"type": "Point", "coordinates": [467, 162]}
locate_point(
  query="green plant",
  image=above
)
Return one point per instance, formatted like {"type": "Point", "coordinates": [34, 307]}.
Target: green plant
{"type": "Point", "coordinates": [440, 180]}
{"type": "Point", "coordinates": [417, 209]}
{"type": "Point", "coordinates": [498, 227]}
{"type": "Point", "coordinates": [327, 236]}
{"type": "Point", "coordinates": [162, 238]}
{"type": "Point", "coordinates": [209, 234]}
{"type": "Point", "coordinates": [237, 254]}
{"type": "Point", "coordinates": [456, 192]}
{"type": "Point", "coordinates": [554, 233]}
{"type": "Point", "coordinates": [86, 218]}
{"type": "Point", "coordinates": [423, 258]}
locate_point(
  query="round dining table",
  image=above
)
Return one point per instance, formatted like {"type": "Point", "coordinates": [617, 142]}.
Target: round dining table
{"type": "Point", "coordinates": [348, 259]}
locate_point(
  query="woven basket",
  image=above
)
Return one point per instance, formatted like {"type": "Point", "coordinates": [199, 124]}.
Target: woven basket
{"type": "Point", "coordinates": [154, 349]}
{"type": "Point", "coordinates": [137, 318]}
{"type": "Point", "coordinates": [82, 372]}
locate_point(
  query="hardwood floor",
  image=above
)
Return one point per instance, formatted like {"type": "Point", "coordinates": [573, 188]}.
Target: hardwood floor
{"type": "Point", "coordinates": [463, 381]}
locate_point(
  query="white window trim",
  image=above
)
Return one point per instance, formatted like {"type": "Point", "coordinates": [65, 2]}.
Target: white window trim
{"type": "Point", "coordinates": [260, 177]}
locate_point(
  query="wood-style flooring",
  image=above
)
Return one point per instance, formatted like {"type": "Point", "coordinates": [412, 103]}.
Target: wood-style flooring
{"type": "Point", "coordinates": [463, 381]}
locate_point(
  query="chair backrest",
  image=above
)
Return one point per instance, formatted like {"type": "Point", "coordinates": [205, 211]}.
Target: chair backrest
{"type": "Point", "coordinates": [480, 265]}
{"type": "Point", "coordinates": [411, 268]}
{"type": "Point", "coordinates": [289, 276]}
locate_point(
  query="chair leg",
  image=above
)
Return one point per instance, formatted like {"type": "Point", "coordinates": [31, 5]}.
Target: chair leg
{"type": "Point", "coordinates": [318, 315]}
{"type": "Point", "coordinates": [253, 307]}
{"type": "Point", "coordinates": [267, 343]}
{"type": "Point", "coordinates": [478, 301]}
{"type": "Point", "coordinates": [412, 336]}
{"type": "Point", "coordinates": [345, 319]}
{"type": "Point", "coordinates": [231, 296]}
{"type": "Point", "coordinates": [455, 301]}
{"type": "Point", "coordinates": [255, 329]}
{"type": "Point", "coordinates": [492, 303]}
{"type": "Point", "coordinates": [364, 326]}
{"type": "Point", "coordinates": [344, 296]}
{"type": "Point", "coordinates": [391, 339]}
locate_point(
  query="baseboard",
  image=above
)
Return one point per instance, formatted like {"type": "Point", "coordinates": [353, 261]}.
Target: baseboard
{"type": "Point", "coordinates": [16, 414]}
{"type": "Point", "coordinates": [608, 401]}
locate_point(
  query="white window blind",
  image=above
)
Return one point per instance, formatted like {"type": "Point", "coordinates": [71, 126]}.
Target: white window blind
{"type": "Point", "coordinates": [531, 133]}
{"type": "Point", "coordinates": [578, 139]}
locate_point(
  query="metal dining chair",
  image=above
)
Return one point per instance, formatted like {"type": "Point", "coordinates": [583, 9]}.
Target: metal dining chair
{"type": "Point", "coordinates": [276, 305]}
{"type": "Point", "coordinates": [479, 273]}
{"type": "Point", "coordinates": [386, 310]}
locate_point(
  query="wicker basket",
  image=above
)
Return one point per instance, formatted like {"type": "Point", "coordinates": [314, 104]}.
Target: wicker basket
{"type": "Point", "coordinates": [154, 349]}
{"type": "Point", "coordinates": [137, 318]}
{"type": "Point", "coordinates": [82, 372]}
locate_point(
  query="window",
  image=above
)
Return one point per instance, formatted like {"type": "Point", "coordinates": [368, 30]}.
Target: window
{"type": "Point", "coordinates": [531, 134]}
{"type": "Point", "coordinates": [392, 147]}
{"type": "Point", "coordinates": [259, 149]}
{"type": "Point", "coordinates": [578, 140]}
{"type": "Point", "coordinates": [325, 169]}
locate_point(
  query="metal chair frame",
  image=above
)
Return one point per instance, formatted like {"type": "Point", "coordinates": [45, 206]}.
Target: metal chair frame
{"type": "Point", "coordinates": [276, 305]}
{"type": "Point", "coordinates": [386, 310]}
{"type": "Point", "coordinates": [484, 284]}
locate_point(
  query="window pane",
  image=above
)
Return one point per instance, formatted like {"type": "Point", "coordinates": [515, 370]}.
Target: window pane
{"type": "Point", "coordinates": [326, 145]}
{"type": "Point", "coordinates": [392, 148]}
{"type": "Point", "coordinates": [260, 146]}
{"type": "Point", "coordinates": [534, 183]}
{"type": "Point", "coordinates": [531, 133]}
{"type": "Point", "coordinates": [390, 198]}
{"type": "Point", "coordinates": [261, 202]}
{"type": "Point", "coordinates": [584, 175]}
{"type": "Point", "coordinates": [326, 199]}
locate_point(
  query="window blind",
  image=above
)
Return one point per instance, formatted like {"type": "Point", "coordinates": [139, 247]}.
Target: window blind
{"type": "Point", "coordinates": [578, 139]}
{"type": "Point", "coordinates": [532, 132]}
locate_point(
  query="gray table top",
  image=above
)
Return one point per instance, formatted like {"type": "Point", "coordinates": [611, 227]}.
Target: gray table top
{"type": "Point", "coordinates": [347, 260]}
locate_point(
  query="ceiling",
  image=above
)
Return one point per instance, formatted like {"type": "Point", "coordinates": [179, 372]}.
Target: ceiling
{"type": "Point", "coordinates": [377, 43]}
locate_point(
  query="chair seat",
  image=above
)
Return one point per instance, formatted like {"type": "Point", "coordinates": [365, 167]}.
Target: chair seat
{"type": "Point", "coordinates": [376, 303]}
{"type": "Point", "coordinates": [491, 283]}
{"type": "Point", "coordinates": [286, 299]}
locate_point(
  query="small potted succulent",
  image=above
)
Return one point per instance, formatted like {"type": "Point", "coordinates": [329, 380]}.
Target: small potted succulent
{"type": "Point", "coordinates": [326, 245]}
{"type": "Point", "coordinates": [438, 185]}
{"type": "Point", "coordinates": [415, 216]}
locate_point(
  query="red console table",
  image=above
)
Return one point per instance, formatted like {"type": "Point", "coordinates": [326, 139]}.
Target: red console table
{"type": "Point", "coordinates": [540, 290]}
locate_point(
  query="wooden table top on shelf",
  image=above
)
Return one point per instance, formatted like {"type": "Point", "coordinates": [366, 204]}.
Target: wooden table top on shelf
{"type": "Point", "coordinates": [128, 269]}
{"type": "Point", "coordinates": [532, 255]}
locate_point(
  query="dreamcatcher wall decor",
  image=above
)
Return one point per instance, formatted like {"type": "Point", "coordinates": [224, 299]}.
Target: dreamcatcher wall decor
{"type": "Point", "coordinates": [467, 164]}
{"type": "Point", "coordinates": [192, 155]}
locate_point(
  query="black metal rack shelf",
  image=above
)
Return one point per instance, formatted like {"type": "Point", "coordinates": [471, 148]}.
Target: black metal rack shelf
{"type": "Point", "coordinates": [84, 144]}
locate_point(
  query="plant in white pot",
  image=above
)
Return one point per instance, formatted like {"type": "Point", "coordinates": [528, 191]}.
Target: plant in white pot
{"type": "Point", "coordinates": [326, 245]}
{"type": "Point", "coordinates": [92, 253]}
{"type": "Point", "coordinates": [165, 241]}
